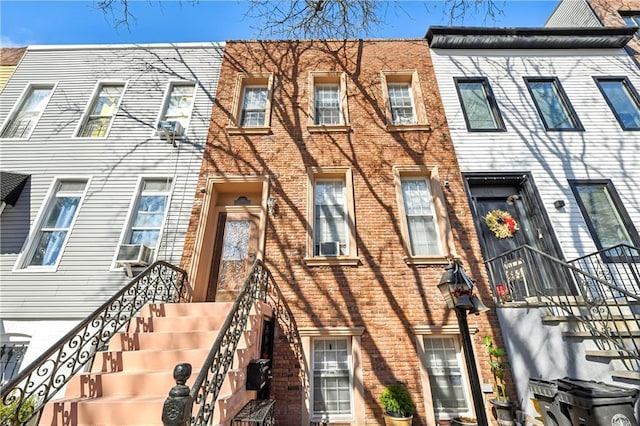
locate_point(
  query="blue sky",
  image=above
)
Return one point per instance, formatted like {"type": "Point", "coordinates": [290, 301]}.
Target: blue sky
{"type": "Point", "coordinates": [25, 22]}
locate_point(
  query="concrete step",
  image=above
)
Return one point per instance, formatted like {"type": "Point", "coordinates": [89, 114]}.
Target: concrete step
{"type": "Point", "coordinates": [115, 361]}
{"type": "Point", "coordinates": [624, 374]}
{"type": "Point", "coordinates": [160, 324]}
{"type": "Point", "coordinates": [202, 309]}
{"type": "Point", "coordinates": [608, 354]}
{"type": "Point", "coordinates": [163, 340]}
{"type": "Point", "coordinates": [126, 383]}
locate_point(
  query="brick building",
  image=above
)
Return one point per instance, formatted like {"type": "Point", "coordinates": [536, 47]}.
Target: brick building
{"type": "Point", "coordinates": [333, 162]}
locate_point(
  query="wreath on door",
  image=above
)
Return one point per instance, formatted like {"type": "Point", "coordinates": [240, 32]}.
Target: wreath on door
{"type": "Point", "coordinates": [501, 223]}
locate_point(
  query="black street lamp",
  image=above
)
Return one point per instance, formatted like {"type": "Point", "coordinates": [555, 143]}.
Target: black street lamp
{"type": "Point", "coordinates": [457, 289]}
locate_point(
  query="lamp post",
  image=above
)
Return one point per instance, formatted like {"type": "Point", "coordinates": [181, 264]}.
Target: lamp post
{"type": "Point", "coordinates": [457, 289]}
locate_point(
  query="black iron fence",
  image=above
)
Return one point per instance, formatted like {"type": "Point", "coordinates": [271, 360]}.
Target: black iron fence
{"type": "Point", "coordinates": [25, 396]}
{"type": "Point", "coordinates": [603, 295]}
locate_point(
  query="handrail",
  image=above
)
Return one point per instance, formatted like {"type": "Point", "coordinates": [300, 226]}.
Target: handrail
{"type": "Point", "coordinates": [206, 387]}
{"type": "Point", "coordinates": [529, 276]}
{"type": "Point", "coordinates": [28, 393]}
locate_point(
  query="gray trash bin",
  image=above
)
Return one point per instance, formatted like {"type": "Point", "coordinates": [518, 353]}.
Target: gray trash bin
{"type": "Point", "coordinates": [593, 403]}
{"type": "Point", "coordinates": [545, 393]}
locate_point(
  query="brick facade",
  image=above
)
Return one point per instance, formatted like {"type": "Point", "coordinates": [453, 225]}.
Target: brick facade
{"type": "Point", "coordinates": [609, 12]}
{"type": "Point", "coordinates": [383, 294]}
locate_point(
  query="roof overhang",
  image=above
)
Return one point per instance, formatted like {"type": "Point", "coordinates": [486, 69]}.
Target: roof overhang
{"type": "Point", "coordinates": [11, 185]}
{"type": "Point", "coordinates": [528, 38]}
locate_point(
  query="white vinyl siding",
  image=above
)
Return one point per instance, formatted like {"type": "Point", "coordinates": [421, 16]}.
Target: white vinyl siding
{"type": "Point", "coordinates": [420, 216]}
{"type": "Point", "coordinates": [102, 111]}
{"type": "Point", "coordinates": [25, 118]}
{"type": "Point", "coordinates": [331, 381]}
{"type": "Point", "coordinates": [85, 277]}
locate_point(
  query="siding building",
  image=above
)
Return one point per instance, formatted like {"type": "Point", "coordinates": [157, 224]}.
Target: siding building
{"type": "Point", "coordinates": [545, 126]}
{"type": "Point", "coordinates": [92, 191]}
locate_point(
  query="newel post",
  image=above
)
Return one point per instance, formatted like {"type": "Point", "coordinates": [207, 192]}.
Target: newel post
{"type": "Point", "coordinates": [177, 407]}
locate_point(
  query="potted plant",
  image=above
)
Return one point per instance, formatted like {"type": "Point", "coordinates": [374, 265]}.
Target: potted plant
{"type": "Point", "coordinates": [398, 405]}
{"type": "Point", "coordinates": [502, 406]}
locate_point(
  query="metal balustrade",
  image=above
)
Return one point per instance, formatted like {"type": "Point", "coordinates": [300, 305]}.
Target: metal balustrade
{"type": "Point", "coordinates": [601, 294]}
{"type": "Point", "coordinates": [29, 391]}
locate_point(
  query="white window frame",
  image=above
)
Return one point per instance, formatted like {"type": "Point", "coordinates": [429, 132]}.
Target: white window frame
{"type": "Point", "coordinates": [17, 107]}
{"type": "Point", "coordinates": [167, 96]}
{"type": "Point", "coordinates": [242, 110]}
{"type": "Point", "coordinates": [414, 118]}
{"type": "Point", "coordinates": [30, 245]}
{"type": "Point", "coordinates": [126, 230]}
{"type": "Point", "coordinates": [337, 417]}
{"type": "Point", "coordinates": [94, 97]}
{"type": "Point", "coordinates": [317, 100]}
{"type": "Point", "coordinates": [431, 213]}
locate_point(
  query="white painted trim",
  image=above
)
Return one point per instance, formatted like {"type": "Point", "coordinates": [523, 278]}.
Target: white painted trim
{"type": "Point", "coordinates": [20, 101]}
{"type": "Point", "coordinates": [28, 246]}
{"type": "Point", "coordinates": [165, 99]}
{"type": "Point", "coordinates": [94, 96]}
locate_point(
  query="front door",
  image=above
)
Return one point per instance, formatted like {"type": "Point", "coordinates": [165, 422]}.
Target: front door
{"type": "Point", "coordinates": [522, 273]}
{"type": "Point", "coordinates": [236, 247]}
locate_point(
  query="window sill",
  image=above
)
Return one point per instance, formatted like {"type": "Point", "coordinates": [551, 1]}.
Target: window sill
{"type": "Point", "coordinates": [332, 261]}
{"type": "Point", "coordinates": [322, 128]}
{"type": "Point", "coordinates": [426, 260]}
{"type": "Point", "coordinates": [248, 130]}
{"type": "Point", "coordinates": [408, 127]}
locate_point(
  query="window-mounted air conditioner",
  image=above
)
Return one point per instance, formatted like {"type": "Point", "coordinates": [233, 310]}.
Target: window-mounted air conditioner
{"type": "Point", "coordinates": [134, 255]}
{"type": "Point", "coordinates": [169, 129]}
{"type": "Point", "coordinates": [330, 248]}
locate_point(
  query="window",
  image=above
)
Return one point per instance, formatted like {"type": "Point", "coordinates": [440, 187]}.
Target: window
{"type": "Point", "coordinates": [478, 105]}
{"type": "Point", "coordinates": [623, 101]}
{"type": "Point", "coordinates": [632, 19]}
{"type": "Point", "coordinates": [552, 104]}
{"type": "Point", "coordinates": [22, 122]}
{"type": "Point", "coordinates": [11, 355]}
{"type": "Point", "coordinates": [331, 380]}
{"type": "Point", "coordinates": [332, 236]}
{"type": "Point", "coordinates": [442, 360]}
{"type": "Point", "coordinates": [424, 223]}
{"type": "Point", "coordinates": [58, 217]}
{"type": "Point", "coordinates": [403, 97]}
{"type": "Point", "coordinates": [179, 103]}
{"type": "Point", "coordinates": [149, 211]}
{"type": "Point", "coordinates": [102, 111]}
{"type": "Point", "coordinates": [328, 110]}
{"type": "Point", "coordinates": [606, 217]}
{"type": "Point", "coordinates": [252, 104]}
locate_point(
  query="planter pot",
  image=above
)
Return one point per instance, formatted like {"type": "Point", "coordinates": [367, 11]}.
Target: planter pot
{"type": "Point", "coordinates": [397, 421]}
{"type": "Point", "coordinates": [464, 422]}
{"type": "Point", "coordinates": [504, 412]}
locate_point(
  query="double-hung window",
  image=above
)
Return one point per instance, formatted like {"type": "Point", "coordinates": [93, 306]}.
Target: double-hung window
{"type": "Point", "coordinates": [423, 218]}
{"type": "Point", "coordinates": [331, 381]}
{"type": "Point", "coordinates": [622, 99]}
{"type": "Point", "coordinates": [149, 212]}
{"type": "Point", "coordinates": [331, 232]}
{"type": "Point", "coordinates": [102, 111]}
{"type": "Point", "coordinates": [478, 104]}
{"type": "Point", "coordinates": [327, 104]}
{"type": "Point", "coordinates": [330, 218]}
{"type": "Point", "coordinates": [179, 103]}
{"type": "Point", "coordinates": [446, 378]}
{"type": "Point", "coordinates": [54, 227]}
{"type": "Point", "coordinates": [401, 103]}
{"type": "Point", "coordinates": [605, 216]}
{"type": "Point", "coordinates": [254, 106]}
{"type": "Point", "coordinates": [23, 120]}
{"type": "Point", "coordinates": [552, 104]}
{"type": "Point", "coordinates": [420, 216]}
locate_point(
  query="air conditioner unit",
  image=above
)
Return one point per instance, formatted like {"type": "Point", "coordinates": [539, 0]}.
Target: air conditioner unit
{"type": "Point", "coordinates": [134, 255]}
{"type": "Point", "coordinates": [330, 248]}
{"type": "Point", "coordinates": [169, 129]}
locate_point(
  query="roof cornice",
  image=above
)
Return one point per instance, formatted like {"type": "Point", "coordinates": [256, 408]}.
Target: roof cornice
{"type": "Point", "coordinates": [528, 38]}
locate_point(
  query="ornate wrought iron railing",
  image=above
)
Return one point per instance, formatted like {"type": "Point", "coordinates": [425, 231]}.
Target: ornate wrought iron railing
{"type": "Point", "coordinates": [27, 394]}
{"type": "Point", "coordinates": [609, 311]}
{"type": "Point", "coordinates": [206, 387]}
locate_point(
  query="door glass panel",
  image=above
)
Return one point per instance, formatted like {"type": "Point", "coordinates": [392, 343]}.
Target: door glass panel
{"type": "Point", "coordinates": [238, 253]}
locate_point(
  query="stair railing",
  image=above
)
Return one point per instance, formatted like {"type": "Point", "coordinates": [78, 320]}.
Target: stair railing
{"type": "Point", "coordinates": [206, 387]}
{"type": "Point", "coordinates": [27, 394]}
{"type": "Point", "coordinates": [528, 276]}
